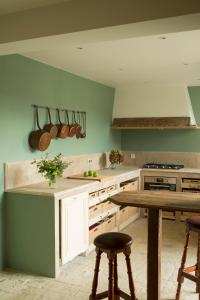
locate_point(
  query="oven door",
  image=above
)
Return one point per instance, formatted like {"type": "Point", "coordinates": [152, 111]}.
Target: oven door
{"type": "Point", "coordinates": [160, 186]}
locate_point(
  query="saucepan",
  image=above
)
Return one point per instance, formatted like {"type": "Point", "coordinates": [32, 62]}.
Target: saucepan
{"type": "Point", "coordinates": [51, 128]}
{"type": "Point", "coordinates": [39, 139]}
{"type": "Point", "coordinates": [63, 129]}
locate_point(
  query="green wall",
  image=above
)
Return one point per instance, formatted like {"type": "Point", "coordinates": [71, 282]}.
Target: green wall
{"type": "Point", "coordinates": [166, 140]}
{"type": "Point", "coordinates": [24, 82]}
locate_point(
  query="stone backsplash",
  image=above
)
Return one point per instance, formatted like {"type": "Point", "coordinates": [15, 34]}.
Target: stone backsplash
{"type": "Point", "coordinates": [188, 159]}
{"type": "Point", "coordinates": [22, 173]}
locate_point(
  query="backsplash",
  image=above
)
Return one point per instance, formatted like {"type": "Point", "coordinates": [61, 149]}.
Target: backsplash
{"type": "Point", "coordinates": [22, 173]}
{"type": "Point", "coordinates": [188, 159]}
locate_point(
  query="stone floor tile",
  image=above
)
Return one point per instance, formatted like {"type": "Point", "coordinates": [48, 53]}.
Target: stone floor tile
{"type": "Point", "coordinates": [75, 279]}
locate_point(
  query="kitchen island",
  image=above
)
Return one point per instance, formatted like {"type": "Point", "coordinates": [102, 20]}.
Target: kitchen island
{"type": "Point", "coordinates": [156, 201]}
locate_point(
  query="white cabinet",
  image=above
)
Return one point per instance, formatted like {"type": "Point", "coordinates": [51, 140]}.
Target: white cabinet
{"type": "Point", "coordinates": [74, 226]}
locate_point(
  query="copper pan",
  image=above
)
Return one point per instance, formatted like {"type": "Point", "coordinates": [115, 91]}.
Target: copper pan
{"type": "Point", "coordinates": [63, 129]}
{"type": "Point", "coordinates": [39, 139]}
{"type": "Point", "coordinates": [72, 130]}
{"type": "Point", "coordinates": [51, 128]}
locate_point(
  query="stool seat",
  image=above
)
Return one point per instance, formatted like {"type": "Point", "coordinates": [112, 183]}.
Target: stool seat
{"type": "Point", "coordinates": [194, 221]}
{"type": "Point", "coordinates": [113, 240]}
{"type": "Point", "coordinates": [112, 244]}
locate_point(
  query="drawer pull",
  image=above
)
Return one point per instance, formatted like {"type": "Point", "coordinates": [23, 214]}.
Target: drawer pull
{"type": "Point", "coordinates": [109, 221]}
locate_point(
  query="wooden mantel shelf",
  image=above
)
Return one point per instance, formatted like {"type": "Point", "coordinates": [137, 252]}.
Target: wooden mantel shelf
{"type": "Point", "coordinates": [159, 128]}
{"type": "Point", "coordinates": [153, 123]}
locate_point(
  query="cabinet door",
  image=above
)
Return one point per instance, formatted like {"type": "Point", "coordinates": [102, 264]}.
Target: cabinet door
{"type": "Point", "coordinates": [74, 226]}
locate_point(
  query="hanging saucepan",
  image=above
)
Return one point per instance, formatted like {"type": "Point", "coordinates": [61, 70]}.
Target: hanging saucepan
{"type": "Point", "coordinates": [83, 134]}
{"type": "Point", "coordinates": [39, 139]}
{"type": "Point", "coordinates": [51, 128]}
{"type": "Point", "coordinates": [78, 125]}
{"type": "Point", "coordinates": [72, 130]}
{"type": "Point", "coordinates": [67, 121]}
{"type": "Point", "coordinates": [63, 129]}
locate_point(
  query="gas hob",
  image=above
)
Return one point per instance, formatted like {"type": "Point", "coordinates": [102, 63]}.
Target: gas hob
{"type": "Point", "coordinates": [162, 166]}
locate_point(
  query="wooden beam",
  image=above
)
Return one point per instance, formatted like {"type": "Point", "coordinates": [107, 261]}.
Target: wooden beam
{"type": "Point", "coordinates": [164, 122]}
{"type": "Point", "coordinates": [76, 16]}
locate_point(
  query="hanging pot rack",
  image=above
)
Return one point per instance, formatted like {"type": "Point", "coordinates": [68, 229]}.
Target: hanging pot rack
{"type": "Point", "coordinates": [56, 108]}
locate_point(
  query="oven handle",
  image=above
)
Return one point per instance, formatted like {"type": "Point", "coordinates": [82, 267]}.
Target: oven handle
{"type": "Point", "coordinates": [160, 185]}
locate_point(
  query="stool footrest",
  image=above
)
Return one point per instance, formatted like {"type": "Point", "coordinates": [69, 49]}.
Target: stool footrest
{"type": "Point", "coordinates": [189, 276]}
{"type": "Point", "coordinates": [124, 295]}
{"type": "Point", "coordinates": [120, 293]}
{"type": "Point", "coordinates": [102, 295]}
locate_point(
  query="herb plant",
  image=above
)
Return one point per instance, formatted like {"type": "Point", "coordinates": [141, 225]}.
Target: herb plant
{"type": "Point", "coordinates": [51, 169]}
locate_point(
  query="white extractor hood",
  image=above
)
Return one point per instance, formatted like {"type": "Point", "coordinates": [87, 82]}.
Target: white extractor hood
{"type": "Point", "coordinates": [150, 102]}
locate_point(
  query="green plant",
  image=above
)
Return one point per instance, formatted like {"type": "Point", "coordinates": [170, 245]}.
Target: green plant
{"type": "Point", "coordinates": [51, 169]}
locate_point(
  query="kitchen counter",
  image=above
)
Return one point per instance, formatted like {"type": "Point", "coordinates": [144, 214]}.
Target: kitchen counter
{"type": "Point", "coordinates": [183, 170]}
{"type": "Point", "coordinates": [67, 187]}
{"type": "Point", "coordinates": [34, 216]}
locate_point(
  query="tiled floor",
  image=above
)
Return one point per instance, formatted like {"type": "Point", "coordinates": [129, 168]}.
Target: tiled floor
{"type": "Point", "coordinates": [74, 282]}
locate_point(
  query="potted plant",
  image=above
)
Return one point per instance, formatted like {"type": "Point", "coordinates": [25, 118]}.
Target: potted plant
{"type": "Point", "coordinates": [51, 169]}
{"type": "Point", "coordinates": [115, 158]}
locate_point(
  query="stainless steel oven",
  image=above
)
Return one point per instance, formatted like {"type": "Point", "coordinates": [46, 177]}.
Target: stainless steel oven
{"type": "Point", "coordinates": [160, 183]}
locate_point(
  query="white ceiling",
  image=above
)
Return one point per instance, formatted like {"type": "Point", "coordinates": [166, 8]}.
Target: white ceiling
{"type": "Point", "coordinates": [172, 58]}
{"type": "Point", "coordinates": [10, 6]}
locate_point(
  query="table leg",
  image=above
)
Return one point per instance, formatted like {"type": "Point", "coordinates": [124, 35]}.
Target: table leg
{"type": "Point", "coordinates": [154, 253]}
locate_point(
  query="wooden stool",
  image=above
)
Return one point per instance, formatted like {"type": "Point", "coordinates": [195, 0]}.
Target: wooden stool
{"type": "Point", "coordinates": [192, 224]}
{"type": "Point", "coordinates": [113, 243]}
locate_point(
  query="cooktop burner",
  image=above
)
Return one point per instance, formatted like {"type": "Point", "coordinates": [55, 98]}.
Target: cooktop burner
{"type": "Point", "coordinates": [162, 166]}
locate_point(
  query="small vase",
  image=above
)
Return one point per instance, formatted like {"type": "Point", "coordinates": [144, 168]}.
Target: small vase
{"type": "Point", "coordinates": [113, 166]}
{"type": "Point", "coordinates": [52, 185]}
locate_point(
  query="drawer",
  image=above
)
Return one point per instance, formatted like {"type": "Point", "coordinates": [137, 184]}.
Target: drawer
{"type": "Point", "coordinates": [102, 192]}
{"type": "Point", "coordinates": [132, 186]}
{"type": "Point", "coordinates": [107, 205]}
{"type": "Point", "coordinates": [110, 224]}
{"type": "Point", "coordinates": [111, 188]}
{"type": "Point", "coordinates": [95, 231]}
{"type": "Point", "coordinates": [93, 195]}
{"type": "Point", "coordinates": [95, 210]}
{"type": "Point", "coordinates": [123, 215]}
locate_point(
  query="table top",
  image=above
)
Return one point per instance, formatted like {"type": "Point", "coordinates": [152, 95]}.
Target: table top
{"type": "Point", "coordinates": [169, 201]}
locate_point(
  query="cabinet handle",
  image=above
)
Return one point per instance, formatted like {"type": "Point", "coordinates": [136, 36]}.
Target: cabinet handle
{"type": "Point", "coordinates": [109, 221]}
{"type": "Point", "coordinates": [95, 229]}
{"type": "Point", "coordinates": [96, 208]}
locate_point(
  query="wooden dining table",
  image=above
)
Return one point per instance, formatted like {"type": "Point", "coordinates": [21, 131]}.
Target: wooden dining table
{"type": "Point", "coordinates": [156, 201]}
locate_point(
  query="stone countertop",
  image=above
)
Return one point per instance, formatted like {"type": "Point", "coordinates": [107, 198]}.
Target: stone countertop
{"type": "Point", "coordinates": [183, 170]}
{"type": "Point", "coordinates": [67, 187]}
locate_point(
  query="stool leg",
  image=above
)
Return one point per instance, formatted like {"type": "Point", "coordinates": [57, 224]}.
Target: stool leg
{"type": "Point", "coordinates": [127, 253]}
{"type": "Point", "coordinates": [96, 273]}
{"type": "Point", "coordinates": [116, 289]}
{"type": "Point", "coordinates": [180, 277]}
{"type": "Point", "coordinates": [111, 293]}
{"type": "Point", "coordinates": [197, 272]}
